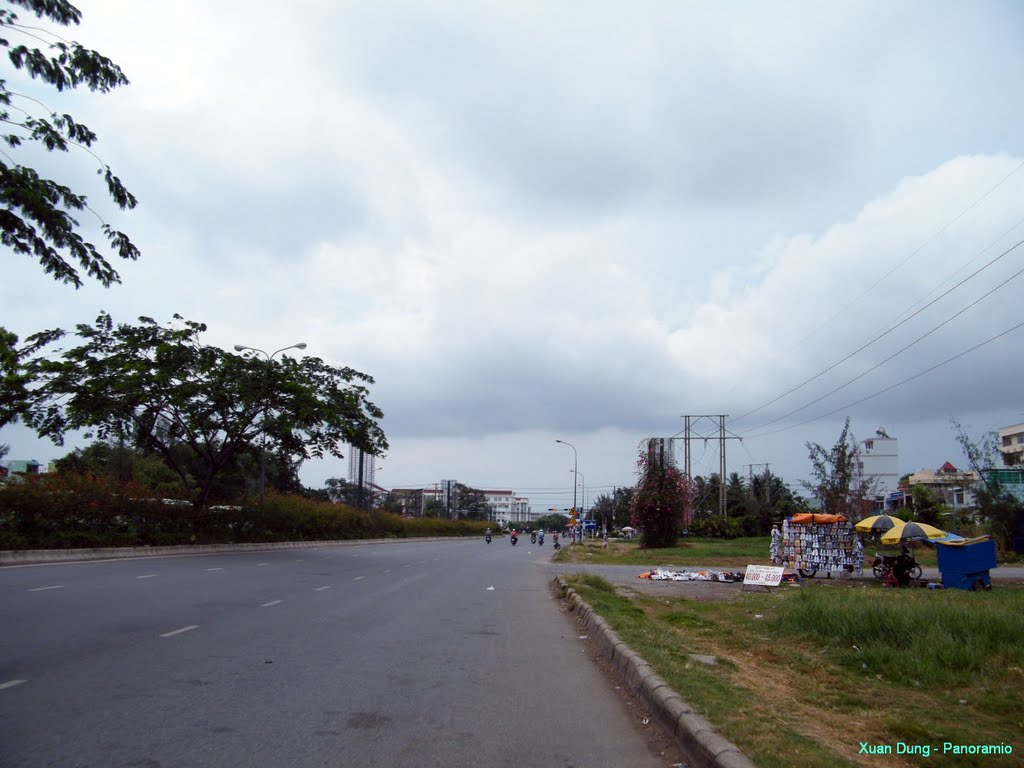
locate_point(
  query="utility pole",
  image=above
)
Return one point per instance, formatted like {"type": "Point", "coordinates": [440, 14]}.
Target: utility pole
{"type": "Point", "coordinates": [689, 422]}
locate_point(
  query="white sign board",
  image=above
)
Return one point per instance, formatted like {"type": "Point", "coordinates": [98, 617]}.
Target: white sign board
{"type": "Point", "coordinates": [766, 575]}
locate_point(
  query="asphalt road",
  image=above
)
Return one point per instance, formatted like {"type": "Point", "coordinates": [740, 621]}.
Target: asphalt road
{"type": "Point", "coordinates": [451, 653]}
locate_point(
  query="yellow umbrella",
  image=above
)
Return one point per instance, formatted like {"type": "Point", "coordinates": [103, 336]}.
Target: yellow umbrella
{"type": "Point", "coordinates": [912, 532]}
{"type": "Point", "coordinates": [878, 524]}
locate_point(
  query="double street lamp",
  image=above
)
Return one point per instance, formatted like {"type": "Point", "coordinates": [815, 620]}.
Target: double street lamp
{"type": "Point", "coordinates": [263, 421]}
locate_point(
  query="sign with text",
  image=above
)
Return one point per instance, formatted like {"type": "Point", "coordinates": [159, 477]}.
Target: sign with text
{"type": "Point", "coordinates": [766, 575]}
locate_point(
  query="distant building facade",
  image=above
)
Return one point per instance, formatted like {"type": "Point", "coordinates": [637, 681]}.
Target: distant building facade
{"type": "Point", "coordinates": [1011, 444]}
{"type": "Point", "coordinates": [505, 505]}
{"type": "Point", "coordinates": [879, 462]}
{"type": "Point", "coordinates": [953, 486]}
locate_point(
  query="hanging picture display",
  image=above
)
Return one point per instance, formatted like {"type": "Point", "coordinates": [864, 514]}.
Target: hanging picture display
{"type": "Point", "coordinates": [818, 543]}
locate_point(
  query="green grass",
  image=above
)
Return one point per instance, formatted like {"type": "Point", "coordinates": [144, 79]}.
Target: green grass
{"type": "Point", "coordinates": [724, 552]}
{"type": "Point", "coordinates": [807, 673]}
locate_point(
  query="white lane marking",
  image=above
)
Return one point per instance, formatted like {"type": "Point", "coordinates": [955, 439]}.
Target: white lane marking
{"type": "Point", "coordinates": [11, 684]}
{"type": "Point", "coordinates": [174, 632]}
{"type": "Point", "coordinates": [357, 578]}
{"type": "Point", "coordinates": [387, 570]}
{"type": "Point", "coordinates": [262, 563]}
{"type": "Point", "coordinates": [407, 566]}
{"type": "Point", "coordinates": [320, 589]}
{"type": "Point", "coordinates": [215, 569]}
{"type": "Point", "coordinates": [267, 605]}
{"type": "Point", "coordinates": [147, 576]}
{"type": "Point", "coordinates": [43, 589]}
{"type": "Point", "coordinates": [490, 589]}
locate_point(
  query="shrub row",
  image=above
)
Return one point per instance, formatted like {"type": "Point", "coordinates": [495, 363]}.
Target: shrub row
{"type": "Point", "coordinates": [69, 510]}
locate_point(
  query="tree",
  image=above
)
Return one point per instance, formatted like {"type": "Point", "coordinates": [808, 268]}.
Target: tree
{"type": "Point", "coordinates": [839, 480]}
{"type": "Point", "coordinates": [38, 214]}
{"type": "Point", "coordinates": [471, 503]}
{"type": "Point", "coordinates": [613, 511]}
{"type": "Point", "coordinates": [197, 407]}
{"type": "Point", "coordinates": [1001, 510]}
{"type": "Point", "coordinates": [661, 503]}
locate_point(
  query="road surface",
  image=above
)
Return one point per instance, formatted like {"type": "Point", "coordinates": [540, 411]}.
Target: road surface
{"type": "Point", "coordinates": [445, 653]}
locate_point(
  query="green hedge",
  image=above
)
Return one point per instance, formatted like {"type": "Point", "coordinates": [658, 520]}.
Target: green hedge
{"type": "Point", "coordinates": [57, 511]}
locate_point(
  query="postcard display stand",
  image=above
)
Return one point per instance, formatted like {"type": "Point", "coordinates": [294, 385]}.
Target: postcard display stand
{"type": "Point", "coordinates": [818, 546]}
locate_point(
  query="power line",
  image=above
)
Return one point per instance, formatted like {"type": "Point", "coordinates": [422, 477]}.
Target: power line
{"type": "Point", "coordinates": [898, 384]}
{"type": "Point", "coordinates": [883, 334]}
{"type": "Point", "coordinates": [912, 254]}
{"type": "Point", "coordinates": [894, 354]}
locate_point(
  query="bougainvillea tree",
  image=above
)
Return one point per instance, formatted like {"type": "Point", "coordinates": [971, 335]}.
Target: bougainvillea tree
{"type": "Point", "coordinates": [662, 502]}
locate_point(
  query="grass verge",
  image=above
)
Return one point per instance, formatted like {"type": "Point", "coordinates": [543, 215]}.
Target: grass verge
{"type": "Point", "coordinates": [805, 675]}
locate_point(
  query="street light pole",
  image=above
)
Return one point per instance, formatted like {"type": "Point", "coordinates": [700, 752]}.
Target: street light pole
{"type": "Point", "coordinates": [263, 421]}
{"type": "Point", "coordinates": [583, 496]}
{"type": "Point", "coordinates": [575, 467]}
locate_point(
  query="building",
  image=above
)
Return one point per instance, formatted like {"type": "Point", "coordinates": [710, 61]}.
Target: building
{"type": "Point", "coordinates": [22, 467]}
{"type": "Point", "coordinates": [505, 505]}
{"type": "Point", "coordinates": [954, 487]}
{"type": "Point", "coordinates": [1011, 445]}
{"type": "Point", "coordinates": [369, 467]}
{"type": "Point", "coordinates": [879, 463]}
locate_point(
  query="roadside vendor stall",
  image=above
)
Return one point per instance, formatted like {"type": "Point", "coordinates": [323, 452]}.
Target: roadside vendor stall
{"type": "Point", "coordinates": [817, 542]}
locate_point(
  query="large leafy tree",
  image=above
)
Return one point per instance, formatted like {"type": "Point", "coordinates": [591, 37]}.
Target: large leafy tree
{"type": "Point", "coordinates": [38, 218]}
{"type": "Point", "coordinates": [197, 407]}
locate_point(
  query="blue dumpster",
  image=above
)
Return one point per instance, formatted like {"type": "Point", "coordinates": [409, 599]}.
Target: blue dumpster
{"type": "Point", "coordinates": [965, 564]}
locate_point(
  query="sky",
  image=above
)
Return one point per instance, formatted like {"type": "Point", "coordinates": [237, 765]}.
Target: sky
{"type": "Point", "coordinates": [532, 222]}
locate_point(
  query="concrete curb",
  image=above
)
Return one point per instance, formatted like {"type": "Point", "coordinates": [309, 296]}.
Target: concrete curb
{"type": "Point", "coordinates": [695, 736]}
{"type": "Point", "coordinates": [9, 557]}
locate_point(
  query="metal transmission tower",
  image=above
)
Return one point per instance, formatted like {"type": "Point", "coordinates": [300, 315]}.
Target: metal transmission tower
{"type": "Point", "coordinates": [690, 425]}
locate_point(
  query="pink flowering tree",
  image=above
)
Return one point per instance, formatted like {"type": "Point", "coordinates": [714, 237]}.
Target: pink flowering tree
{"type": "Point", "coordinates": [662, 502]}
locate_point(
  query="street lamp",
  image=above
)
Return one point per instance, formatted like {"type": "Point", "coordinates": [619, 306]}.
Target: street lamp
{"type": "Point", "coordinates": [263, 421]}
{"type": "Point", "coordinates": [583, 497]}
{"type": "Point", "coordinates": [575, 466]}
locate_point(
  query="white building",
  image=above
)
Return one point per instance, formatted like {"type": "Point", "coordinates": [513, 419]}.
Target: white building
{"type": "Point", "coordinates": [880, 462]}
{"type": "Point", "coordinates": [1011, 444]}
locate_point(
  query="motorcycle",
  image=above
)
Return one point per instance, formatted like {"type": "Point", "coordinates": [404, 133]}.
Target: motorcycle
{"type": "Point", "coordinates": [533, 537]}
{"type": "Point", "coordinates": [514, 539]}
{"type": "Point", "coordinates": [895, 570]}
{"type": "Point", "coordinates": [487, 538]}
{"type": "Point", "coordinates": [540, 540]}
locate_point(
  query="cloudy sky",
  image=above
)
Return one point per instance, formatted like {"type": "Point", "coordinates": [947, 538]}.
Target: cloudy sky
{"type": "Point", "coordinates": [529, 221]}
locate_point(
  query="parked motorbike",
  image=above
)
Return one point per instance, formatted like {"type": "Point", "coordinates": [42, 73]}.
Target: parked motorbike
{"type": "Point", "coordinates": [895, 570]}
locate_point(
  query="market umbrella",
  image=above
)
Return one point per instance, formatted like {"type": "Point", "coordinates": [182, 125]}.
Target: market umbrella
{"type": "Point", "coordinates": [912, 532]}
{"type": "Point", "coordinates": [878, 524]}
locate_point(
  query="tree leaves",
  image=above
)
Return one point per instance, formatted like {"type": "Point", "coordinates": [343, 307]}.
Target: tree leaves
{"type": "Point", "coordinates": [37, 220]}
{"type": "Point", "coordinates": [197, 407]}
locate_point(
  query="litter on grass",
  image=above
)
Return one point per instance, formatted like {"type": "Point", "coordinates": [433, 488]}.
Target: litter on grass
{"type": "Point", "coordinates": [657, 574]}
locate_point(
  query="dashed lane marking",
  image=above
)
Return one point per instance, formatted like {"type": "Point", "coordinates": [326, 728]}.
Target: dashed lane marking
{"type": "Point", "coordinates": [357, 578]}
{"type": "Point", "coordinates": [174, 632]}
{"type": "Point", "coordinates": [320, 589]}
{"type": "Point", "coordinates": [11, 684]}
{"type": "Point", "coordinates": [267, 605]}
{"type": "Point", "coordinates": [215, 569]}
{"type": "Point", "coordinates": [43, 589]}
{"type": "Point", "coordinates": [146, 576]}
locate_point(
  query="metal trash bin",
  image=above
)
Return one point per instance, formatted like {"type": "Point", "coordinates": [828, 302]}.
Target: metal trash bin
{"type": "Point", "coordinates": [965, 564]}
